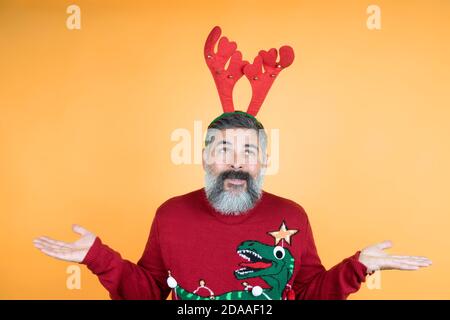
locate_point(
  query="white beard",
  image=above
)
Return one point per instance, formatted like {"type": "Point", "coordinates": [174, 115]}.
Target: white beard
{"type": "Point", "coordinates": [230, 202]}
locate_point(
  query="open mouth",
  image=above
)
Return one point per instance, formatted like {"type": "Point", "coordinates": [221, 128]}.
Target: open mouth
{"type": "Point", "coordinates": [253, 263]}
{"type": "Point", "coordinates": [235, 183]}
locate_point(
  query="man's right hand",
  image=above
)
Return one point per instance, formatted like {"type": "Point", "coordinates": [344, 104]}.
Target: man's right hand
{"type": "Point", "coordinates": [73, 252]}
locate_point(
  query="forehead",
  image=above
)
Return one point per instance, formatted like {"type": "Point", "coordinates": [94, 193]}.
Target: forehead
{"type": "Point", "coordinates": [236, 136]}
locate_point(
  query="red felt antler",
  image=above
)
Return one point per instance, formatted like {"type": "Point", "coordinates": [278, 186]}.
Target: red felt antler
{"type": "Point", "coordinates": [260, 80]}
{"type": "Point", "coordinates": [225, 79]}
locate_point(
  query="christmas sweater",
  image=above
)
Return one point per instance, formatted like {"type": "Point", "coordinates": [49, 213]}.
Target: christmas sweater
{"type": "Point", "coordinates": [196, 252]}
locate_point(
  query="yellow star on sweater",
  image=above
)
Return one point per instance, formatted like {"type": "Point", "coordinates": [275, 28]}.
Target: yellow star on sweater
{"type": "Point", "coordinates": [283, 233]}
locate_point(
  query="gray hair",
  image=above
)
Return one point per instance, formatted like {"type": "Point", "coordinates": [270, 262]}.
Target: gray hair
{"type": "Point", "coordinates": [238, 120]}
{"type": "Point", "coordinates": [227, 202]}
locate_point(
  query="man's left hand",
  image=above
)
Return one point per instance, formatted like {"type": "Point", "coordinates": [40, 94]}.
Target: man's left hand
{"type": "Point", "coordinates": [374, 258]}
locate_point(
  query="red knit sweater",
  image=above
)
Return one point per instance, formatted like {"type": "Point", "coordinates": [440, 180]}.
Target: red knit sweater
{"type": "Point", "coordinates": [265, 253]}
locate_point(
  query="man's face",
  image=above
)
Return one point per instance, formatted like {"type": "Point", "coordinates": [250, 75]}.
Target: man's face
{"type": "Point", "coordinates": [233, 162]}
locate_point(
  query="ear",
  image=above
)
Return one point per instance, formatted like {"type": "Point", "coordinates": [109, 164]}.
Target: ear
{"type": "Point", "coordinates": [203, 158]}
{"type": "Point", "coordinates": [265, 164]}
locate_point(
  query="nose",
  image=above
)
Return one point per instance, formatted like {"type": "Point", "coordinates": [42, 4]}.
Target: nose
{"type": "Point", "coordinates": [236, 163]}
{"type": "Point", "coordinates": [236, 167]}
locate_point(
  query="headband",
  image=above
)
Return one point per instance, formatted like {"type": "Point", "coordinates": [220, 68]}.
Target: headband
{"type": "Point", "coordinates": [261, 79]}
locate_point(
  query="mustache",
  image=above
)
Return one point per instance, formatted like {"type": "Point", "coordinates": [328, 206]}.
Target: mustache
{"type": "Point", "coordinates": [231, 174]}
{"type": "Point", "coordinates": [228, 202]}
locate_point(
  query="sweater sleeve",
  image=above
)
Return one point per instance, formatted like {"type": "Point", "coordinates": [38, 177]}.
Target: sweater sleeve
{"type": "Point", "coordinates": [126, 280]}
{"type": "Point", "coordinates": [315, 282]}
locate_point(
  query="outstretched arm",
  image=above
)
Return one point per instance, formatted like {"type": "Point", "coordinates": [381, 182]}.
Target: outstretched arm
{"type": "Point", "coordinates": [122, 278]}
{"type": "Point", "coordinates": [315, 282]}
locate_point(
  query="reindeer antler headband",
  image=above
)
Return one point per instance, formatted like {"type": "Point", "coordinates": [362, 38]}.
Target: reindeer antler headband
{"type": "Point", "coordinates": [260, 80]}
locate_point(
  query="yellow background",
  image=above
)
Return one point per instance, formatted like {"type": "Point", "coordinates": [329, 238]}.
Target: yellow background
{"type": "Point", "coordinates": [86, 118]}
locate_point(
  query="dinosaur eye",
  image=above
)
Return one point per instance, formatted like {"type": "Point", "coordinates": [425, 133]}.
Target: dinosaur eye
{"type": "Point", "coordinates": [278, 252]}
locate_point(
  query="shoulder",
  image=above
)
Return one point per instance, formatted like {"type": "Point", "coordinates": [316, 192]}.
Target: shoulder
{"type": "Point", "coordinates": [286, 204]}
{"type": "Point", "coordinates": [179, 204]}
{"type": "Point", "coordinates": [180, 199]}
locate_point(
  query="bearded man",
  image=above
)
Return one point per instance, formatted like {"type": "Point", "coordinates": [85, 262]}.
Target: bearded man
{"type": "Point", "coordinates": [230, 239]}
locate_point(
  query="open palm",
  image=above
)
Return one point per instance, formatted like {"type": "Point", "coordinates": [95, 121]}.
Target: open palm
{"type": "Point", "coordinates": [374, 258]}
{"type": "Point", "coordinates": [73, 252]}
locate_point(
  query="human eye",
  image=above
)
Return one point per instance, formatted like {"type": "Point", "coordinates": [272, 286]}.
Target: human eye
{"type": "Point", "coordinates": [249, 152]}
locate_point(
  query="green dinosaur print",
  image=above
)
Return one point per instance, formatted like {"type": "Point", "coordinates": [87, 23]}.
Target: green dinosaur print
{"type": "Point", "coordinates": [273, 264]}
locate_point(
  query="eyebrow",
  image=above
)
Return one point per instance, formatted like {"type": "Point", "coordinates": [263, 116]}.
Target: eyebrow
{"type": "Point", "coordinates": [223, 142]}
{"type": "Point", "coordinates": [247, 145]}
{"type": "Point", "coordinates": [251, 146]}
